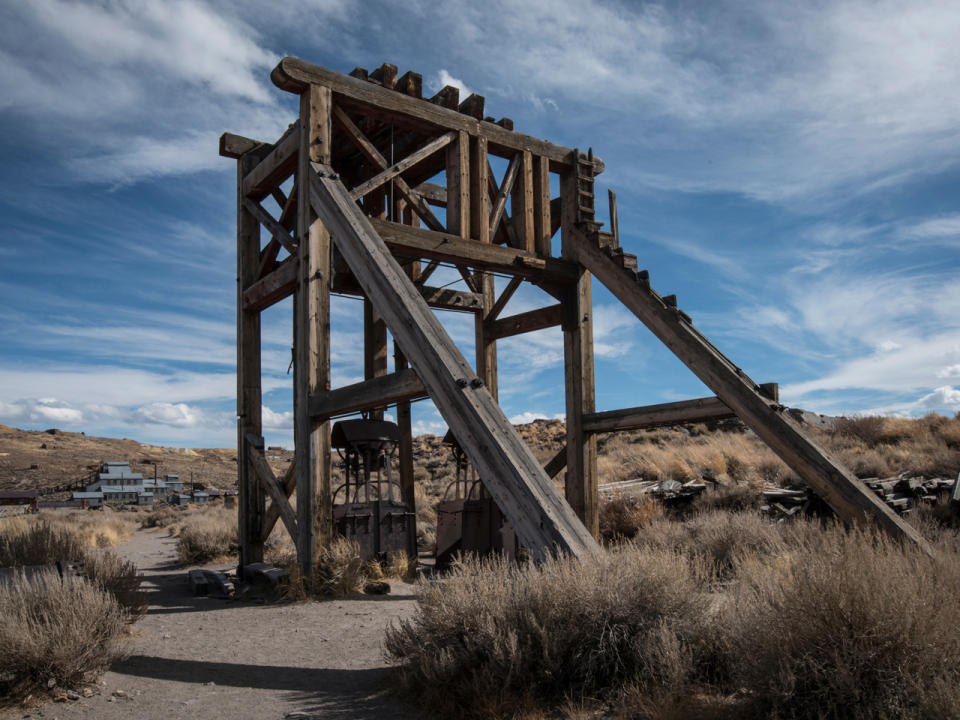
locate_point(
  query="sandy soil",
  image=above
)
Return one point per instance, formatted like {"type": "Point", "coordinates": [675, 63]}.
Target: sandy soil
{"type": "Point", "coordinates": [209, 658]}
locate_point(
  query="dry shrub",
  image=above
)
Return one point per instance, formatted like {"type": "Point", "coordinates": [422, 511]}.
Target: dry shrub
{"type": "Point", "coordinates": [849, 625]}
{"type": "Point", "coordinates": [66, 632]}
{"type": "Point", "coordinates": [41, 544]}
{"type": "Point", "coordinates": [208, 536]}
{"type": "Point", "coordinates": [162, 516]}
{"type": "Point", "coordinates": [492, 635]}
{"type": "Point", "coordinates": [623, 516]}
{"type": "Point", "coordinates": [95, 529]}
{"type": "Point", "coordinates": [340, 571]}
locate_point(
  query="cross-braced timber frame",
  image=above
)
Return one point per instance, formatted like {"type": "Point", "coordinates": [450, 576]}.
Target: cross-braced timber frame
{"type": "Point", "coordinates": [360, 218]}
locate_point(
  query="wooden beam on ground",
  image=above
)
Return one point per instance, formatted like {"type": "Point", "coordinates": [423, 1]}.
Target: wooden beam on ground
{"type": "Point", "coordinates": [421, 243]}
{"type": "Point", "coordinates": [850, 498]}
{"type": "Point", "coordinates": [375, 392]}
{"type": "Point", "coordinates": [542, 520]}
{"type": "Point", "coordinates": [526, 322]}
{"type": "Point", "coordinates": [673, 413]}
{"type": "Point", "coordinates": [294, 75]}
{"type": "Point", "coordinates": [274, 168]}
{"type": "Point", "coordinates": [272, 288]}
{"type": "Point", "coordinates": [270, 484]}
{"type": "Point", "coordinates": [288, 484]}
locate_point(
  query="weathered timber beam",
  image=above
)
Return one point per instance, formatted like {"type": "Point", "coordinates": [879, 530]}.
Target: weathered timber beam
{"type": "Point", "coordinates": [421, 243]}
{"type": "Point", "coordinates": [404, 164]}
{"type": "Point", "coordinates": [376, 392]}
{"type": "Point", "coordinates": [278, 231]}
{"type": "Point", "coordinates": [415, 201]}
{"type": "Point", "coordinates": [288, 213]}
{"type": "Point", "coordinates": [557, 463]}
{"type": "Point", "coordinates": [275, 167]}
{"type": "Point", "coordinates": [848, 496]}
{"type": "Point", "coordinates": [674, 413]}
{"type": "Point", "coordinates": [269, 482]}
{"type": "Point", "coordinates": [233, 146]}
{"type": "Point", "coordinates": [526, 322]}
{"type": "Point", "coordinates": [272, 288]}
{"type": "Point", "coordinates": [288, 483]}
{"type": "Point", "coordinates": [542, 519]}
{"type": "Point", "coordinates": [442, 298]}
{"type": "Point", "coordinates": [432, 193]}
{"type": "Point", "coordinates": [268, 257]}
{"type": "Point", "coordinates": [294, 75]}
{"type": "Point", "coordinates": [504, 298]}
{"type": "Point", "coordinates": [506, 187]}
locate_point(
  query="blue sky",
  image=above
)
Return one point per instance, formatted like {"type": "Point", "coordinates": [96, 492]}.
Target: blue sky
{"type": "Point", "coordinates": [789, 170]}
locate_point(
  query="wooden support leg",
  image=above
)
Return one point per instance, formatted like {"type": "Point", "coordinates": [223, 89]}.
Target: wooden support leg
{"type": "Point", "coordinates": [252, 502]}
{"type": "Point", "coordinates": [408, 494]}
{"type": "Point", "coordinates": [312, 339]}
{"type": "Point", "coordinates": [374, 329]}
{"type": "Point", "coordinates": [486, 347]}
{"type": "Point", "coordinates": [581, 480]}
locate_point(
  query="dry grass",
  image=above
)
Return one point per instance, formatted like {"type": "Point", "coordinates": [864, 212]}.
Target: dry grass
{"type": "Point", "coordinates": [208, 535]}
{"type": "Point", "coordinates": [623, 516]}
{"type": "Point", "coordinates": [714, 615]}
{"type": "Point", "coordinates": [64, 632]}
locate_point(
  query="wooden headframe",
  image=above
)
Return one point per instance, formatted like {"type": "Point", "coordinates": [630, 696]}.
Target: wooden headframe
{"type": "Point", "coordinates": [358, 184]}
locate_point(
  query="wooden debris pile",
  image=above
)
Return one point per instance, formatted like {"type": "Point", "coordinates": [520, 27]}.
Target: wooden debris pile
{"type": "Point", "coordinates": [904, 492]}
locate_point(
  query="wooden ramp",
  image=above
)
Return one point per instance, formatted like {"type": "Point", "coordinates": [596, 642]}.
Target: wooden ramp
{"type": "Point", "coordinates": [846, 494]}
{"type": "Point", "coordinates": [527, 497]}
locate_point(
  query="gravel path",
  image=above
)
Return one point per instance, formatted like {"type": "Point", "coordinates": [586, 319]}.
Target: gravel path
{"type": "Point", "coordinates": [208, 658]}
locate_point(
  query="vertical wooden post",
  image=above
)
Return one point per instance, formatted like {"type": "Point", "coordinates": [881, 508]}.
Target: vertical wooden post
{"type": "Point", "coordinates": [581, 479]}
{"type": "Point", "coordinates": [404, 418]}
{"type": "Point", "coordinates": [541, 206]}
{"type": "Point", "coordinates": [521, 204]}
{"type": "Point", "coordinates": [458, 186]}
{"type": "Point", "coordinates": [374, 328]}
{"type": "Point", "coordinates": [486, 347]}
{"type": "Point", "coordinates": [312, 337]}
{"type": "Point", "coordinates": [252, 505]}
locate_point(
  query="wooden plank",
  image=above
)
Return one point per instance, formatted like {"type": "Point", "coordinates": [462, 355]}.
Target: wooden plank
{"type": "Point", "coordinates": [378, 391]}
{"type": "Point", "coordinates": [432, 193]}
{"type": "Point", "coordinates": [506, 187]}
{"type": "Point", "coordinates": [268, 258]}
{"type": "Point", "coordinates": [406, 163]}
{"type": "Point", "coordinates": [442, 298]}
{"type": "Point", "coordinates": [421, 243]}
{"type": "Point", "coordinates": [847, 495]}
{"type": "Point", "coordinates": [526, 322]}
{"type": "Point", "coordinates": [294, 75]}
{"type": "Point", "coordinates": [485, 346]}
{"type": "Point", "coordinates": [288, 214]}
{"type": "Point", "coordinates": [673, 413]}
{"type": "Point", "coordinates": [557, 463]}
{"type": "Point", "coordinates": [504, 298]}
{"type": "Point", "coordinates": [275, 168]}
{"type": "Point", "coordinates": [408, 492]}
{"type": "Point", "coordinates": [272, 288]}
{"type": "Point", "coordinates": [458, 188]}
{"type": "Point", "coordinates": [374, 349]}
{"type": "Point", "coordinates": [312, 339]}
{"type": "Point", "coordinates": [521, 205]}
{"type": "Point", "coordinates": [411, 84]}
{"type": "Point", "coordinates": [526, 496]}
{"type": "Point", "coordinates": [277, 230]}
{"type": "Point", "coordinates": [270, 484]}
{"type": "Point", "coordinates": [614, 220]}
{"type": "Point", "coordinates": [581, 478]}
{"type": "Point", "coordinates": [288, 484]}
{"type": "Point", "coordinates": [542, 228]}
{"type": "Point", "coordinates": [249, 394]}
{"type": "Point", "coordinates": [233, 146]}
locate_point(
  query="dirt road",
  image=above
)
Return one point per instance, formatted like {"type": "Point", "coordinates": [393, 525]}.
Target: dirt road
{"type": "Point", "coordinates": [202, 658]}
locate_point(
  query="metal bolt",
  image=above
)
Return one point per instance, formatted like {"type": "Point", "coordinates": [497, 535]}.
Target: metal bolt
{"type": "Point", "coordinates": [462, 382]}
{"type": "Point", "coordinates": [476, 383]}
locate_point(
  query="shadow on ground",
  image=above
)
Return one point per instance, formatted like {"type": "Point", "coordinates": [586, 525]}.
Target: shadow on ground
{"type": "Point", "coordinates": [363, 694]}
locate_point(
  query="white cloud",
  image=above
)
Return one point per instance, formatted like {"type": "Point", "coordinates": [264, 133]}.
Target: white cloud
{"type": "Point", "coordinates": [445, 78]}
{"type": "Point", "coordinates": [949, 372]}
{"type": "Point", "coordinates": [528, 417]}
{"type": "Point", "coordinates": [941, 398]}
{"type": "Point", "coordinates": [174, 414]}
{"type": "Point", "coordinates": [276, 420]}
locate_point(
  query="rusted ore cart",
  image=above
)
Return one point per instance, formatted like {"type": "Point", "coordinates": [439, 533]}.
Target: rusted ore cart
{"type": "Point", "coordinates": [358, 218]}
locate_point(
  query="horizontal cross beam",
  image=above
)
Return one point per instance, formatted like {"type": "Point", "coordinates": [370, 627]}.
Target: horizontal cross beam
{"type": "Point", "coordinates": [374, 393]}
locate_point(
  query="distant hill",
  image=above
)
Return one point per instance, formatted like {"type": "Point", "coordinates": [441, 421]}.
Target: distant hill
{"type": "Point", "coordinates": [38, 459]}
